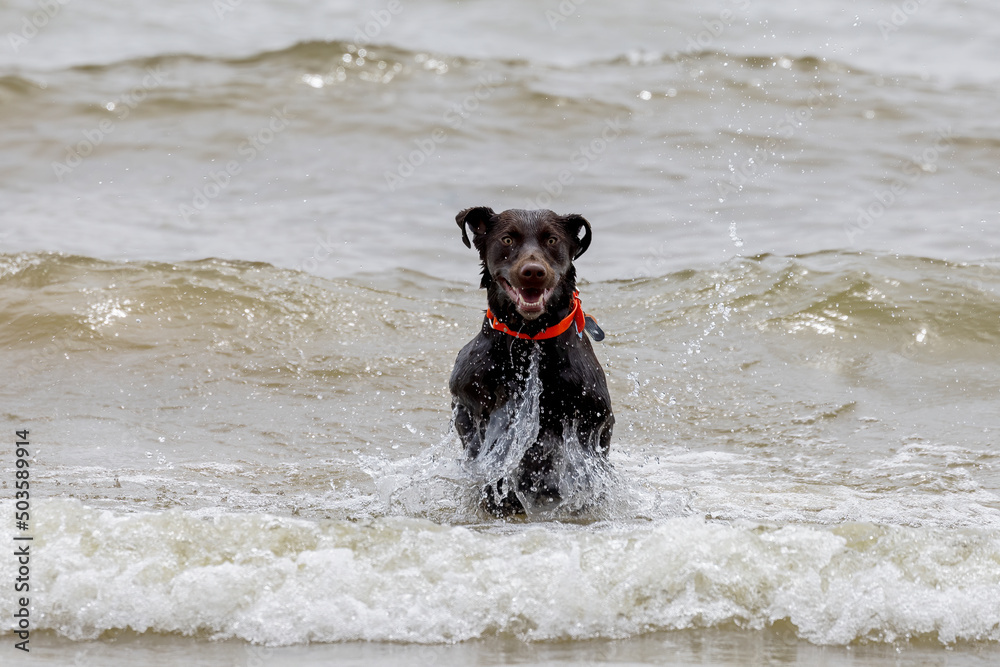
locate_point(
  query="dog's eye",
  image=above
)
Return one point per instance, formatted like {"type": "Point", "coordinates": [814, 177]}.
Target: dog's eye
{"type": "Point", "coordinates": [552, 240]}
{"type": "Point", "coordinates": [506, 240]}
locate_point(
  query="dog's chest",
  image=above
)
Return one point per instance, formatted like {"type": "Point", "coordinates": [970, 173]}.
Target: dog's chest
{"type": "Point", "coordinates": [512, 368]}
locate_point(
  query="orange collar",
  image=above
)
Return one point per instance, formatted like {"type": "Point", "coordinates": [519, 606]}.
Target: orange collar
{"type": "Point", "coordinates": [576, 315]}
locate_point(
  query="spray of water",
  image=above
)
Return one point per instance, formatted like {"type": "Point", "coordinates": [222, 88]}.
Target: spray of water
{"type": "Point", "coordinates": [442, 484]}
{"type": "Point", "coordinates": [577, 483]}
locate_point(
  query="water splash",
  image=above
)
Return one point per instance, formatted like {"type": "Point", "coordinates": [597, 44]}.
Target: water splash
{"type": "Point", "coordinates": [431, 485]}
{"type": "Point", "coordinates": [441, 485]}
{"type": "Point", "coordinates": [734, 237]}
{"type": "Point", "coordinates": [578, 483]}
{"type": "Point", "coordinates": [511, 431]}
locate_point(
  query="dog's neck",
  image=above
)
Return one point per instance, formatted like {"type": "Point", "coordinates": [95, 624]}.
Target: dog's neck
{"type": "Point", "coordinates": [576, 317]}
{"type": "Point", "coordinates": [559, 306]}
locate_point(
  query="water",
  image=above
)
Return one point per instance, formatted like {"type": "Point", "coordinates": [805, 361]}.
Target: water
{"type": "Point", "coordinates": [232, 292]}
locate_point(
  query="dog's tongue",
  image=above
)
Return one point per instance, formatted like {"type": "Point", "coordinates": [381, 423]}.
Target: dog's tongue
{"type": "Point", "coordinates": [530, 294]}
{"type": "Point", "coordinates": [530, 299]}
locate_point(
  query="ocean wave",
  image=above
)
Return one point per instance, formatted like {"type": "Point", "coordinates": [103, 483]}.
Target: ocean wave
{"type": "Point", "coordinates": [280, 581]}
{"type": "Point", "coordinates": [864, 300]}
{"type": "Point", "coordinates": [817, 389]}
{"type": "Point", "coordinates": [14, 84]}
{"type": "Point", "coordinates": [303, 54]}
{"type": "Point", "coordinates": [137, 303]}
{"type": "Point", "coordinates": [802, 63]}
{"type": "Point", "coordinates": [364, 61]}
{"type": "Point", "coordinates": [860, 299]}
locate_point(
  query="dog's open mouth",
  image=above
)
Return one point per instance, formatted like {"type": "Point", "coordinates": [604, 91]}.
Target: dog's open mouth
{"type": "Point", "coordinates": [530, 301]}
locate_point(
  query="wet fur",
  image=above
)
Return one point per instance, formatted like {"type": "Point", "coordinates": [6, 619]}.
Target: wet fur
{"type": "Point", "coordinates": [491, 369]}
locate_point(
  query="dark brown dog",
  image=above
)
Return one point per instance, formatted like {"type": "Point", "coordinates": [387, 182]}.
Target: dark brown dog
{"type": "Point", "coordinates": [528, 393]}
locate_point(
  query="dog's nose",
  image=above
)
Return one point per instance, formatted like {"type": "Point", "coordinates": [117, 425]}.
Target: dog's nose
{"type": "Point", "coordinates": [533, 271]}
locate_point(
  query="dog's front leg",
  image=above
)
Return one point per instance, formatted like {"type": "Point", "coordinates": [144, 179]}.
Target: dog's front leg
{"type": "Point", "coordinates": [469, 429]}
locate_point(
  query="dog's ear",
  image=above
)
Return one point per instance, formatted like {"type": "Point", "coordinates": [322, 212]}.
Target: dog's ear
{"type": "Point", "coordinates": [573, 223]}
{"type": "Point", "coordinates": [477, 219]}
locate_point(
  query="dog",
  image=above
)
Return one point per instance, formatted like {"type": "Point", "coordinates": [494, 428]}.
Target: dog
{"type": "Point", "coordinates": [533, 334]}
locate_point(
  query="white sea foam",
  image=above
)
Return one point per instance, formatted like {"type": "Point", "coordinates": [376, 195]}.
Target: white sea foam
{"type": "Point", "coordinates": [277, 580]}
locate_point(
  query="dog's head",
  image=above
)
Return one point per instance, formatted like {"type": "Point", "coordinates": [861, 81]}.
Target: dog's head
{"type": "Point", "coordinates": [527, 257]}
